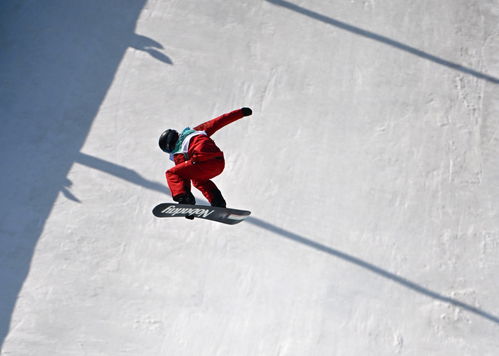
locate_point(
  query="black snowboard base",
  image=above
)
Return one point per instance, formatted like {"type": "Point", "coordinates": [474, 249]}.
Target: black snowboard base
{"type": "Point", "coordinates": [223, 215]}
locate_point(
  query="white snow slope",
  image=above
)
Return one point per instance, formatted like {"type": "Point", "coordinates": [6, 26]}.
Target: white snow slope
{"type": "Point", "coordinates": [370, 165]}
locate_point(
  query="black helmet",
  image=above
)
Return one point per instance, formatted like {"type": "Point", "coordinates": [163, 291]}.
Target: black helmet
{"type": "Point", "coordinates": [168, 140]}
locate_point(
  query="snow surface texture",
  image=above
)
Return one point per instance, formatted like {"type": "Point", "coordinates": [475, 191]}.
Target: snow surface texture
{"type": "Point", "coordinates": [370, 165]}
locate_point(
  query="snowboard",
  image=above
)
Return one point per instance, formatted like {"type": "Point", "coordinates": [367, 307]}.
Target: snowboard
{"type": "Point", "coordinates": [222, 215]}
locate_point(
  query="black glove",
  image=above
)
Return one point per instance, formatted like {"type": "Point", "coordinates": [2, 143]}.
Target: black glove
{"type": "Point", "coordinates": [247, 111]}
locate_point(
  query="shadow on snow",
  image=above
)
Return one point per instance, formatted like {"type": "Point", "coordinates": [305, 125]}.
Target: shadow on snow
{"type": "Point", "coordinates": [382, 39]}
{"type": "Point", "coordinates": [371, 268]}
{"type": "Point", "coordinates": [57, 62]}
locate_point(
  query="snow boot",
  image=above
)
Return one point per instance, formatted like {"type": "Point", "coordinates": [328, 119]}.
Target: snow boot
{"type": "Point", "coordinates": [186, 198]}
{"type": "Point", "coordinates": [218, 200]}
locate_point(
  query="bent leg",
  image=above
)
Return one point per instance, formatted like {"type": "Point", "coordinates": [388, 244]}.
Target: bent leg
{"type": "Point", "coordinates": [210, 192]}
{"type": "Point", "coordinates": [206, 186]}
{"type": "Point", "coordinates": [179, 177]}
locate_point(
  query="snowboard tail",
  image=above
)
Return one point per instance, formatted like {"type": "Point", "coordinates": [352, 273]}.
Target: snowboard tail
{"type": "Point", "coordinates": [222, 215]}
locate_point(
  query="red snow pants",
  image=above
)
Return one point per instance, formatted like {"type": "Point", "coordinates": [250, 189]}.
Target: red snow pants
{"type": "Point", "coordinates": [179, 178]}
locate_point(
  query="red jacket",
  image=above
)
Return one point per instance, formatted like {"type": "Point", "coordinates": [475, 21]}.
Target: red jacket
{"type": "Point", "coordinates": [202, 147]}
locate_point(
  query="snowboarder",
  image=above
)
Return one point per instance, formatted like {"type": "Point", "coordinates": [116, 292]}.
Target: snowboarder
{"type": "Point", "coordinates": [197, 159]}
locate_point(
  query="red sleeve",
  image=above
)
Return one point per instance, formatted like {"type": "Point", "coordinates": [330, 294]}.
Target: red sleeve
{"type": "Point", "coordinates": [212, 126]}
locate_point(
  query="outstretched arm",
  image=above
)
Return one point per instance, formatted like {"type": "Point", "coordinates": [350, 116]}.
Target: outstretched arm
{"type": "Point", "coordinates": [212, 126]}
